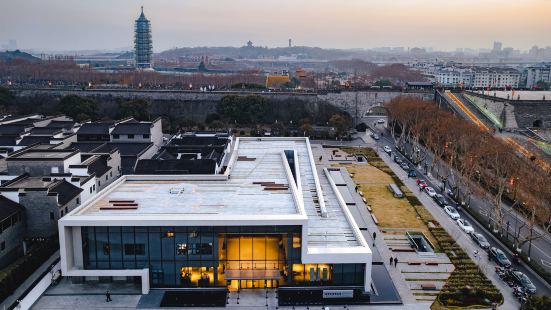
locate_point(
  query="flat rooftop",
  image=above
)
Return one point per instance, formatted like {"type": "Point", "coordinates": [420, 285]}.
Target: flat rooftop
{"type": "Point", "coordinates": [189, 197]}
{"type": "Point", "coordinates": [258, 185]}
{"type": "Point", "coordinates": [43, 154]}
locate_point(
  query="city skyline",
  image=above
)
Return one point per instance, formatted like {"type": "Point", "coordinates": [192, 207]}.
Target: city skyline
{"type": "Point", "coordinates": [102, 25]}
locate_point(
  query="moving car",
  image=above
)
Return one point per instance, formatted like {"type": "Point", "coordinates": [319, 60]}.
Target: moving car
{"type": "Point", "coordinates": [421, 183]}
{"type": "Point", "coordinates": [381, 121]}
{"type": "Point", "coordinates": [499, 257]}
{"type": "Point", "coordinates": [523, 280]}
{"type": "Point", "coordinates": [375, 136]}
{"type": "Point", "coordinates": [465, 226]}
{"type": "Point", "coordinates": [387, 149]}
{"type": "Point", "coordinates": [441, 200]}
{"type": "Point", "coordinates": [452, 212]}
{"type": "Point", "coordinates": [430, 191]}
{"type": "Point", "coordinates": [480, 240]}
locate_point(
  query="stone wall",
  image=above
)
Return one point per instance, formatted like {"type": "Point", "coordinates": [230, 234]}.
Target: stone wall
{"type": "Point", "coordinates": [197, 105]}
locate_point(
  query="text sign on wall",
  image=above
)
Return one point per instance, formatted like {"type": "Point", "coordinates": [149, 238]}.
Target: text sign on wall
{"type": "Point", "coordinates": [338, 293]}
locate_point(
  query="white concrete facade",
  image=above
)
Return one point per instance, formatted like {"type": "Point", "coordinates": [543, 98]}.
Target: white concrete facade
{"type": "Point", "coordinates": [329, 233]}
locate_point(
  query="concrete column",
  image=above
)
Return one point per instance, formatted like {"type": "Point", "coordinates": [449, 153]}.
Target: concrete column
{"type": "Point", "coordinates": [367, 280]}
{"type": "Point", "coordinates": [78, 260]}
{"type": "Point", "coordinates": [145, 281]}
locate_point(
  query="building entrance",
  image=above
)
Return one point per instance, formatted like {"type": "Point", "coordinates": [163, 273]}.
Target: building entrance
{"type": "Point", "coordinates": [252, 261]}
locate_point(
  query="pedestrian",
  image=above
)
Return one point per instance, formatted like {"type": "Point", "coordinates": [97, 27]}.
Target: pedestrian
{"type": "Point", "coordinates": [395, 261]}
{"type": "Point", "coordinates": [374, 236]}
{"type": "Point", "coordinates": [107, 296]}
{"type": "Point", "coordinates": [321, 158]}
{"type": "Point", "coordinates": [391, 260]}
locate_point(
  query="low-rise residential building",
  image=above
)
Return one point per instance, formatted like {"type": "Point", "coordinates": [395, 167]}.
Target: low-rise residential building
{"type": "Point", "coordinates": [535, 74]}
{"type": "Point", "coordinates": [45, 199]}
{"type": "Point", "coordinates": [495, 78]}
{"type": "Point", "coordinates": [138, 132]}
{"type": "Point", "coordinates": [190, 153]}
{"type": "Point", "coordinates": [41, 162]}
{"type": "Point", "coordinates": [12, 230]}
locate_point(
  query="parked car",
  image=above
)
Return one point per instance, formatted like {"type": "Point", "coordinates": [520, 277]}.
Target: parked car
{"type": "Point", "coordinates": [387, 149]}
{"type": "Point", "coordinates": [523, 280]}
{"type": "Point", "coordinates": [452, 212]}
{"type": "Point", "coordinates": [398, 160]}
{"type": "Point", "coordinates": [405, 166]}
{"type": "Point", "coordinates": [381, 121]}
{"type": "Point", "coordinates": [465, 226]}
{"type": "Point", "coordinates": [441, 200]}
{"type": "Point", "coordinates": [499, 257]}
{"type": "Point", "coordinates": [430, 191]}
{"type": "Point", "coordinates": [412, 174]}
{"type": "Point", "coordinates": [480, 240]}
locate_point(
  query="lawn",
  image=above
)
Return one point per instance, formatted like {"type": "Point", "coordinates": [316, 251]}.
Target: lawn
{"type": "Point", "coordinates": [391, 212]}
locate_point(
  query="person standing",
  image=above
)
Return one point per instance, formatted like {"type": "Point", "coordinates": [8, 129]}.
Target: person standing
{"type": "Point", "coordinates": [391, 260]}
{"type": "Point", "coordinates": [107, 296]}
{"type": "Point", "coordinates": [395, 261]}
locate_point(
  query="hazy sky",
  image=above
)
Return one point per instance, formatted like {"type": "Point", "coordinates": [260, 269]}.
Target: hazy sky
{"type": "Point", "coordinates": [442, 24]}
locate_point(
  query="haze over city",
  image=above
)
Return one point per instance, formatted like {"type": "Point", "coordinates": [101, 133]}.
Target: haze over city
{"type": "Point", "coordinates": [444, 25]}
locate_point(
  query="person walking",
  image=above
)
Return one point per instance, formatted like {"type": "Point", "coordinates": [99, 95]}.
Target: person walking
{"type": "Point", "coordinates": [107, 296]}
{"type": "Point", "coordinates": [391, 260]}
{"type": "Point", "coordinates": [374, 237]}
{"type": "Point", "coordinates": [395, 261]}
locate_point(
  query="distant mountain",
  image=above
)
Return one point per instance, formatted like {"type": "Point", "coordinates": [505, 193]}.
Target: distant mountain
{"type": "Point", "coordinates": [254, 52]}
{"type": "Point", "coordinates": [17, 54]}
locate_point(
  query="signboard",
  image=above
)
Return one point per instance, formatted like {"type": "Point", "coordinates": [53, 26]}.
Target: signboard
{"type": "Point", "coordinates": [338, 294]}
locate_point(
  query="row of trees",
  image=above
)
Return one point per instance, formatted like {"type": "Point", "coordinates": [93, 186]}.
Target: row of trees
{"type": "Point", "coordinates": [474, 161]}
{"type": "Point", "coordinates": [67, 73]}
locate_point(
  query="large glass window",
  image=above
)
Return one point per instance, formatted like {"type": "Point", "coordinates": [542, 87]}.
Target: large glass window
{"type": "Point", "coordinates": [192, 256]}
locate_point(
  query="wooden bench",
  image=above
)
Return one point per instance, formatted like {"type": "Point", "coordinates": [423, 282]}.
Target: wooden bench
{"type": "Point", "coordinates": [369, 208]}
{"type": "Point", "coordinates": [428, 287]}
{"type": "Point", "coordinates": [245, 158]}
{"type": "Point", "coordinates": [431, 264]}
{"type": "Point", "coordinates": [374, 219]}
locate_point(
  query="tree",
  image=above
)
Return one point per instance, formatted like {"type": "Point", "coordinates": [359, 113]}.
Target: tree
{"type": "Point", "coordinates": [6, 97]}
{"type": "Point", "coordinates": [537, 302]}
{"type": "Point", "coordinates": [340, 123]}
{"type": "Point", "coordinates": [78, 107]}
{"type": "Point", "coordinates": [212, 117]}
{"type": "Point", "coordinates": [138, 109]}
{"type": "Point", "coordinates": [248, 109]}
{"type": "Point", "coordinates": [542, 85]}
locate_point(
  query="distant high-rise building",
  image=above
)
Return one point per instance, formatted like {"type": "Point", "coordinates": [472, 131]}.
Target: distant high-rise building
{"type": "Point", "coordinates": [143, 44]}
{"type": "Point", "coordinates": [497, 46]}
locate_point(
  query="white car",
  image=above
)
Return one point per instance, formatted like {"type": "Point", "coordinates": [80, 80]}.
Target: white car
{"type": "Point", "coordinates": [465, 226]}
{"type": "Point", "coordinates": [452, 212]}
{"type": "Point", "coordinates": [430, 191]}
{"type": "Point", "coordinates": [381, 121]}
{"type": "Point", "coordinates": [387, 149]}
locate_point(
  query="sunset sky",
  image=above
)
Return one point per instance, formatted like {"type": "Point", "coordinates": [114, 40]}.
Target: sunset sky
{"type": "Point", "coordinates": [442, 24]}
